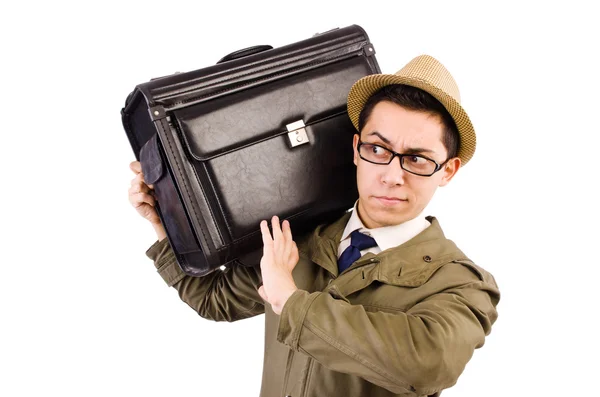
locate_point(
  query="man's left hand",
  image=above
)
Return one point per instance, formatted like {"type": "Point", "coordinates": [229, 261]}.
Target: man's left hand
{"type": "Point", "coordinates": [280, 256]}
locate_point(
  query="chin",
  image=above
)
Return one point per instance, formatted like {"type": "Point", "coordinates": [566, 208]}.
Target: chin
{"type": "Point", "coordinates": [387, 217]}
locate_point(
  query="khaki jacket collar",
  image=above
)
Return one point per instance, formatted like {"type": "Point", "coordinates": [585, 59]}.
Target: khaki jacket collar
{"type": "Point", "coordinates": [411, 263]}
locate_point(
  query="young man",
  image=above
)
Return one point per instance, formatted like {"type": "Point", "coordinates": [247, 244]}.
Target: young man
{"type": "Point", "coordinates": [378, 303]}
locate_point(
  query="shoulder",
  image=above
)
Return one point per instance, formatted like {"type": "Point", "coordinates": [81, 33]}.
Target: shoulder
{"type": "Point", "coordinates": [432, 258]}
{"type": "Point", "coordinates": [460, 263]}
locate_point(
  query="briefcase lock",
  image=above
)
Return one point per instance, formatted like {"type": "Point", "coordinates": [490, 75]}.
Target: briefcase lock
{"type": "Point", "coordinates": [297, 134]}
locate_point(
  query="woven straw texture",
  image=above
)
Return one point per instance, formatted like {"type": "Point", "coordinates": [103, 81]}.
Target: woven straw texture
{"type": "Point", "coordinates": [428, 74]}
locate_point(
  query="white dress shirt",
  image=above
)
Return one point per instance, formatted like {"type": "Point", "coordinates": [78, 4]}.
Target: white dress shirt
{"type": "Point", "coordinates": [385, 237]}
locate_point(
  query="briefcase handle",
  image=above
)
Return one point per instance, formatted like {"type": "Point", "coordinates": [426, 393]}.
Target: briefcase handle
{"type": "Point", "coordinates": [244, 52]}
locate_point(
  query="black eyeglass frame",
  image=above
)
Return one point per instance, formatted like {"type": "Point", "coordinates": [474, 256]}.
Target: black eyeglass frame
{"type": "Point", "coordinates": [401, 157]}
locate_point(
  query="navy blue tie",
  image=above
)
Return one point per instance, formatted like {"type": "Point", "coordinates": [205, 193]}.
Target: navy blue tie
{"type": "Point", "coordinates": [358, 242]}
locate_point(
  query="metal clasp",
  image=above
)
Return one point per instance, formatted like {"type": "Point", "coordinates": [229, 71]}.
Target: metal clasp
{"type": "Point", "coordinates": [297, 134]}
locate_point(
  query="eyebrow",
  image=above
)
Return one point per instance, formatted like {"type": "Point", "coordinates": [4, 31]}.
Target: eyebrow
{"type": "Point", "coordinates": [384, 139]}
{"type": "Point", "coordinates": [407, 151]}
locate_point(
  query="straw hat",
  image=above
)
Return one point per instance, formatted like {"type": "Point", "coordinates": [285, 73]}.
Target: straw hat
{"type": "Point", "coordinates": [428, 74]}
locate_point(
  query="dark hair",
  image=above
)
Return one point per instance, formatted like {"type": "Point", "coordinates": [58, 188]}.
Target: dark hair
{"type": "Point", "coordinates": [413, 98]}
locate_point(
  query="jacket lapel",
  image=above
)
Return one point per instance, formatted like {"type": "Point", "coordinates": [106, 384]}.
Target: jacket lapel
{"type": "Point", "coordinates": [322, 245]}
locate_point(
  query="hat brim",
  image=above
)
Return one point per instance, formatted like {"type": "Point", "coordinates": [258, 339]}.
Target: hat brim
{"type": "Point", "coordinates": [362, 90]}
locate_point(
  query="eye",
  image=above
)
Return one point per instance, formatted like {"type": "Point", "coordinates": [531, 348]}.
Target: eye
{"type": "Point", "coordinates": [374, 153]}
{"type": "Point", "coordinates": [416, 160]}
{"type": "Point", "coordinates": [378, 150]}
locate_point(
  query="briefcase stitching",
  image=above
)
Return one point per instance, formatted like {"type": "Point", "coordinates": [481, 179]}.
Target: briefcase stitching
{"type": "Point", "coordinates": [306, 66]}
{"type": "Point", "coordinates": [251, 82]}
{"type": "Point", "coordinates": [217, 199]}
{"type": "Point", "coordinates": [212, 214]}
{"type": "Point", "coordinates": [176, 132]}
{"type": "Point", "coordinates": [353, 52]}
{"type": "Point", "coordinates": [206, 199]}
{"type": "Point", "coordinates": [163, 122]}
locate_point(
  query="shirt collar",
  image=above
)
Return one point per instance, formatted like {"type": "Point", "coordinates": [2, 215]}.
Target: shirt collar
{"type": "Point", "coordinates": [388, 236]}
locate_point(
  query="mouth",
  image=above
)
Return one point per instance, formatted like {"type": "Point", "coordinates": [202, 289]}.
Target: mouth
{"type": "Point", "coordinates": [385, 200]}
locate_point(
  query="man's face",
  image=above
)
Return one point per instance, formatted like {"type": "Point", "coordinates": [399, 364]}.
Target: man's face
{"type": "Point", "coordinates": [388, 195]}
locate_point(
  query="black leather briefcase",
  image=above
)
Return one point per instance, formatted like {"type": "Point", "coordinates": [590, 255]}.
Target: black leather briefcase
{"type": "Point", "coordinates": [263, 132]}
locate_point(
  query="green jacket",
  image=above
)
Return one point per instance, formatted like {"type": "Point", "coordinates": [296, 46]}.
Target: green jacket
{"type": "Point", "coordinates": [404, 322]}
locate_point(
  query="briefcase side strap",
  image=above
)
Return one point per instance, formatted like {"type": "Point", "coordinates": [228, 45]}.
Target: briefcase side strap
{"type": "Point", "coordinates": [200, 214]}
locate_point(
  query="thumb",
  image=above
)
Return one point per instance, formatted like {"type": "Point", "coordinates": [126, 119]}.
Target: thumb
{"type": "Point", "coordinates": [262, 293]}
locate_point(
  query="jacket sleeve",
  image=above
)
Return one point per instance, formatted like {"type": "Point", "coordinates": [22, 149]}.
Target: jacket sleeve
{"type": "Point", "coordinates": [223, 295]}
{"type": "Point", "coordinates": [422, 350]}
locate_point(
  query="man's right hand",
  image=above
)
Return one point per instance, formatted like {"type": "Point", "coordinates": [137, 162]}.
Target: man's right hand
{"type": "Point", "coordinates": [141, 197]}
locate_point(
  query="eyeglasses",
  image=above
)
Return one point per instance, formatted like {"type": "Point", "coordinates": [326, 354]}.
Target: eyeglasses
{"type": "Point", "coordinates": [413, 163]}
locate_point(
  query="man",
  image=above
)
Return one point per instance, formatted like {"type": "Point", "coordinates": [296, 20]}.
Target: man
{"type": "Point", "coordinates": [378, 303]}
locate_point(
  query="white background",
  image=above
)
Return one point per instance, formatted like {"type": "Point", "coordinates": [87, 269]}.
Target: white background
{"type": "Point", "coordinates": [83, 311]}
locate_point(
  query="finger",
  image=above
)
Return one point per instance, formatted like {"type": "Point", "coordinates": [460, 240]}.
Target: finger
{"type": "Point", "coordinates": [139, 178]}
{"type": "Point", "coordinates": [266, 234]}
{"type": "Point", "coordinates": [277, 234]}
{"type": "Point", "coordinates": [138, 199]}
{"type": "Point", "coordinates": [135, 166]}
{"type": "Point", "coordinates": [267, 243]}
{"type": "Point", "coordinates": [262, 293]}
{"type": "Point", "coordinates": [294, 255]}
{"type": "Point", "coordinates": [287, 239]}
{"type": "Point", "coordinates": [287, 230]}
{"type": "Point", "coordinates": [278, 238]}
{"type": "Point", "coordinates": [139, 187]}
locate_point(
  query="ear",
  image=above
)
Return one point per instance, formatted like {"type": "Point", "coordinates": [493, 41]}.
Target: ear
{"type": "Point", "coordinates": [449, 170]}
{"type": "Point", "coordinates": [354, 146]}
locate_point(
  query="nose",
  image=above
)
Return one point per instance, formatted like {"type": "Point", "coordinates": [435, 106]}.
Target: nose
{"type": "Point", "coordinates": [393, 173]}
